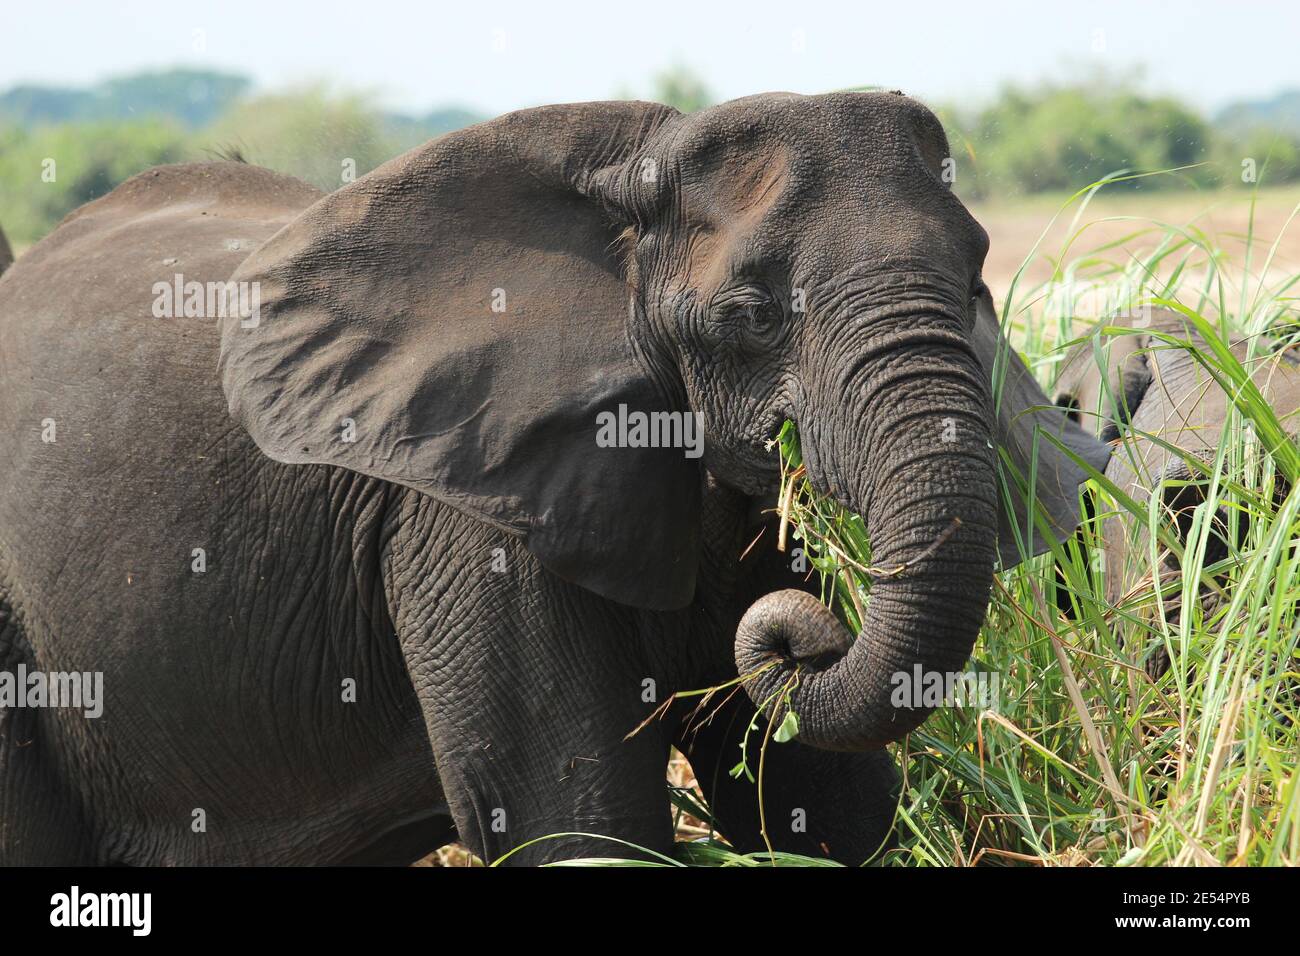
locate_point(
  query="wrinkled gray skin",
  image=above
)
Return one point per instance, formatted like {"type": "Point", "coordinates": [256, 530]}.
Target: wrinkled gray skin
{"type": "Point", "coordinates": [1160, 407]}
{"type": "Point", "coordinates": [510, 598]}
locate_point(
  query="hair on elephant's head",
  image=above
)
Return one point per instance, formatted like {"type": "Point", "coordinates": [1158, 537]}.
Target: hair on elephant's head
{"type": "Point", "coordinates": [501, 313]}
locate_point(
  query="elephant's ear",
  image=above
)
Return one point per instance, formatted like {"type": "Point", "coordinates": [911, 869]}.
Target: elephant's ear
{"type": "Point", "coordinates": [456, 322]}
{"type": "Point", "coordinates": [1025, 419]}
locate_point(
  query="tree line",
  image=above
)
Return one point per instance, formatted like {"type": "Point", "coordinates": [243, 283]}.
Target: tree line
{"type": "Point", "coordinates": [60, 147]}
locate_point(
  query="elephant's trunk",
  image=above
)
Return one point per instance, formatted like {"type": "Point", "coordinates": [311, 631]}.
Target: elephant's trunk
{"type": "Point", "coordinates": [916, 460]}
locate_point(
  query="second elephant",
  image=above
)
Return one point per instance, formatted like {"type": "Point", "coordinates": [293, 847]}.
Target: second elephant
{"type": "Point", "coordinates": [1144, 391]}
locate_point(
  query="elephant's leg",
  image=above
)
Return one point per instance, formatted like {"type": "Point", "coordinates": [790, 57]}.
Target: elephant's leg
{"type": "Point", "coordinates": [40, 817]}
{"type": "Point", "coordinates": [528, 687]}
{"type": "Point", "coordinates": [815, 802]}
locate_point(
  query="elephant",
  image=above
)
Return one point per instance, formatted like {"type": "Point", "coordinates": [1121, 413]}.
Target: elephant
{"type": "Point", "coordinates": [1139, 386]}
{"type": "Point", "coordinates": [6, 253]}
{"type": "Point", "coordinates": [377, 510]}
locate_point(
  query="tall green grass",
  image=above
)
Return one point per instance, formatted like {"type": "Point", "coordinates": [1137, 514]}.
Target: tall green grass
{"type": "Point", "coordinates": [1086, 759]}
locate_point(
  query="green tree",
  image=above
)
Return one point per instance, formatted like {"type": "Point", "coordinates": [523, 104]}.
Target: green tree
{"type": "Point", "coordinates": [681, 89]}
{"type": "Point", "coordinates": [193, 97]}
{"type": "Point", "coordinates": [48, 171]}
{"type": "Point", "coordinates": [405, 131]}
{"type": "Point", "coordinates": [1259, 155]}
{"type": "Point", "coordinates": [1066, 137]}
{"type": "Point", "coordinates": [323, 137]}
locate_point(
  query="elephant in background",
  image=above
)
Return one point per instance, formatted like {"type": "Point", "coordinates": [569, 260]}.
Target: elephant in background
{"type": "Point", "coordinates": [358, 572]}
{"type": "Point", "coordinates": [1164, 412]}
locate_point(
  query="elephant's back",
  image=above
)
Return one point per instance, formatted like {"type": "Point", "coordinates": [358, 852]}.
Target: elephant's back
{"type": "Point", "coordinates": [200, 218]}
{"type": "Point", "coordinates": [90, 291]}
{"type": "Point", "coordinates": [98, 353]}
{"type": "Point", "coordinates": [110, 406]}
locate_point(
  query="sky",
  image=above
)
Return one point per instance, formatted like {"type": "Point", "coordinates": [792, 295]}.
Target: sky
{"type": "Point", "coordinates": [496, 56]}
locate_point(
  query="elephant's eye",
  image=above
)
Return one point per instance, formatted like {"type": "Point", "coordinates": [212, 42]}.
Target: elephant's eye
{"type": "Point", "coordinates": [752, 312]}
{"type": "Point", "coordinates": [978, 290]}
{"type": "Point", "coordinates": [748, 315]}
{"type": "Point", "coordinates": [761, 318]}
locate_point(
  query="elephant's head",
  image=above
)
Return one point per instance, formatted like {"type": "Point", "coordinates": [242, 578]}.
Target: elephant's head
{"type": "Point", "coordinates": [1143, 388]}
{"type": "Point", "coordinates": [493, 312]}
